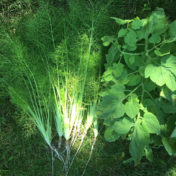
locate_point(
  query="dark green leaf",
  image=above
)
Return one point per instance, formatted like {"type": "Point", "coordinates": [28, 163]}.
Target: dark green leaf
{"type": "Point", "coordinates": [149, 85]}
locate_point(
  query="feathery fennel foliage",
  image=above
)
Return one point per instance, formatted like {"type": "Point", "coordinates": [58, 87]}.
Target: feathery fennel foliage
{"type": "Point", "coordinates": [51, 68]}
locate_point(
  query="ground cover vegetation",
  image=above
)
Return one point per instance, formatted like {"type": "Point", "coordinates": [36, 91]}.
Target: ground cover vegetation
{"type": "Point", "coordinates": [86, 89]}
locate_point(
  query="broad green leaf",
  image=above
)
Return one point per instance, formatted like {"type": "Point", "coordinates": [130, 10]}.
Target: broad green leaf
{"type": "Point", "coordinates": [130, 38]}
{"type": "Point", "coordinates": [110, 135]}
{"type": "Point", "coordinates": [157, 22]}
{"type": "Point", "coordinates": [167, 145]}
{"type": "Point", "coordinates": [107, 40]}
{"type": "Point", "coordinates": [117, 91]}
{"type": "Point", "coordinates": [156, 74]}
{"type": "Point", "coordinates": [131, 47]}
{"type": "Point", "coordinates": [140, 34]}
{"type": "Point", "coordinates": [173, 135]}
{"type": "Point", "coordinates": [144, 22]}
{"type": "Point", "coordinates": [160, 53]}
{"type": "Point", "coordinates": [149, 153]}
{"type": "Point", "coordinates": [111, 105]}
{"type": "Point", "coordinates": [170, 81]}
{"type": "Point", "coordinates": [151, 123]}
{"type": "Point", "coordinates": [155, 39]}
{"type": "Point", "coordinates": [123, 79]}
{"type": "Point", "coordinates": [163, 74]}
{"type": "Point", "coordinates": [169, 62]}
{"type": "Point", "coordinates": [133, 61]}
{"type": "Point", "coordinates": [170, 145]}
{"type": "Point", "coordinates": [130, 64]}
{"type": "Point", "coordinates": [120, 74]}
{"type": "Point", "coordinates": [139, 140]}
{"type": "Point", "coordinates": [121, 21]}
{"type": "Point", "coordinates": [172, 29]}
{"type": "Point", "coordinates": [132, 106]}
{"type": "Point", "coordinates": [120, 110]}
{"type": "Point", "coordinates": [117, 69]}
{"type": "Point", "coordinates": [168, 94]}
{"type": "Point", "coordinates": [136, 24]}
{"type": "Point", "coordinates": [107, 76]}
{"type": "Point", "coordinates": [112, 54]}
{"type": "Point", "coordinates": [134, 79]}
{"type": "Point", "coordinates": [122, 32]}
{"type": "Point", "coordinates": [123, 126]}
{"type": "Point", "coordinates": [167, 48]}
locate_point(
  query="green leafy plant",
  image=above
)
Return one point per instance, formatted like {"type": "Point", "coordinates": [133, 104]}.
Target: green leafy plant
{"type": "Point", "coordinates": [139, 83]}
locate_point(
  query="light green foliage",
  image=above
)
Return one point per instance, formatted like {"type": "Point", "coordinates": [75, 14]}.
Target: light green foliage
{"type": "Point", "coordinates": [150, 123]}
{"type": "Point", "coordinates": [173, 135]}
{"type": "Point", "coordinates": [122, 32]}
{"type": "Point", "coordinates": [157, 22]}
{"type": "Point", "coordinates": [169, 145]}
{"type": "Point", "coordinates": [130, 40]}
{"type": "Point", "coordinates": [132, 106]}
{"type": "Point", "coordinates": [123, 126]}
{"type": "Point", "coordinates": [139, 140]}
{"type": "Point", "coordinates": [114, 97]}
{"type": "Point", "coordinates": [163, 74]}
{"type": "Point", "coordinates": [140, 84]}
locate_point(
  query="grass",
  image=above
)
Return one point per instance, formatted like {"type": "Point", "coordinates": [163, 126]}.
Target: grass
{"type": "Point", "coordinates": [29, 156]}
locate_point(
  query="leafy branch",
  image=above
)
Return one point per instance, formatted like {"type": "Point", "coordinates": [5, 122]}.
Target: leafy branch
{"type": "Point", "coordinates": [145, 50]}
